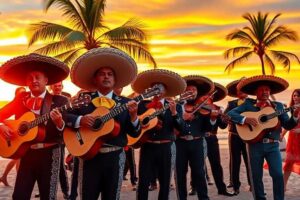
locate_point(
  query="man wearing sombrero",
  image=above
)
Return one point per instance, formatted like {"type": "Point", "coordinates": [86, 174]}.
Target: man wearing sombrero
{"type": "Point", "coordinates": [237, 146]}
{"type": "Point", "coordinates": [42, 160]}
{"type": "Point", "coordinates": [213, 149]}
{"type": "Point", "coordinates": [157, 154]}
{"type": "Point", "coordinates": [268, 146]}
{"type": "Point", "coordinates": [189, 143]}
{"type": "Point", "coordinates": [101, 71]}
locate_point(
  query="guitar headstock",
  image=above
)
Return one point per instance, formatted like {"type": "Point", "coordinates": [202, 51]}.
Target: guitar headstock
{"type": "Point", "coordinates": [153, 91]}
{"type": "Point", "coordinates": [187, 95]}
{"type": "Point", "coordinates": [83, 100]}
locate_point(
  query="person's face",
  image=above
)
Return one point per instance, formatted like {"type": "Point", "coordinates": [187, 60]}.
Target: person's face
{"type": "Point", "coordinates": [36, 81]}
{"type": "Point", "coordinates": [296, 97]}
{"type": "Point", "coordinates": [241, 95]}
{"type": "Point", "coordinates": [57, 88]}
{"type": "Point", "coordinates": [263, 93]}
{"type": "Point", "coordinates": [193, 89]}
{"type": "Point", "coordinates": [104, 79]}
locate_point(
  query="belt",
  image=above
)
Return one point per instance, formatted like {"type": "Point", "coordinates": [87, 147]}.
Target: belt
{"type": "Point", "coordinates": [42, 145]}
{"type": "Point", "coordinates": [269, 140]}
{"type": "Point", "coordinates": [189, 137]}
{"type": "Point", "coordinates": [109, 149]}
{"type": "Point", "coordinates": [158, 141]}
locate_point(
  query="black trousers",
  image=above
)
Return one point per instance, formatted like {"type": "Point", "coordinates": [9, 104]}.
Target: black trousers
{"type": "Point", "coordinates": [130, 165]}
{"type": "Point", "coordinates": [63, 178]}
{"type": "Point", "coordinates": [103, 175]}
{"type": "Point", "coordinates": [74, 179]}
{"type": "Point", "coordinates": [41, 165]}
{"type": "Point", "coordinates": [237, 147]}
{"type": "Point", "coordinates": [213, 154]}
{"type": "Point", "coordinates": [162, 158]}
{"type": "Point", "coordinates": [190, 152]}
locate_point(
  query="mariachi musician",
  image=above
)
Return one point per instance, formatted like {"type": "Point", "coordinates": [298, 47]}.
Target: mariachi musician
{"type": "Point", "coordinates": [237, 146]}
{"type": "Point", "coordinates": [41, 161]}
{"type": "Point", "coordinates": [157, 154]}
{"type": "Point", "coordinates": [189, 143]}
{"type": "Point", "coordinates": [101, 71]}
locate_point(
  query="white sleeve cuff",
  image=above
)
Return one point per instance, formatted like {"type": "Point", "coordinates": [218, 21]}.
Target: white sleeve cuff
{"type": "Point", "coordinates": [63, 126]}
{"type": "Point", "coordinates": [135, 123]}
{"type": "Point", "coordinates": [77, 123]}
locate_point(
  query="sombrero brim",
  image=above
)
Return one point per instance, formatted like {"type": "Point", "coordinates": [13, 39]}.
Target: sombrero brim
{"type": "Point", "coordinates": [204, 85]}
{"type": "Point", "coordinates": [173, 82]}
{"type": "Point", "coordinates": [15, 70]}
{"type": "Point", "coordinates": [250, 85]}
{"type": "Point", "coordinates": [231, 88]}
{"type": "Point", "coordinates": [84, 68]}
{"type": "Point", "coordinates": [221, 92]}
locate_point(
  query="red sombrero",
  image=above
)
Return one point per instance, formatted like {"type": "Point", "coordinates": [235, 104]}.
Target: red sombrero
{"type": "Point", "coordinates": [173, 82]}
{"type": "Point", "coordinates": [250, 85]}
{"type": "Point", "coordinates": [15, 70]}
{"type": "Point", "coordinates": [204, 85]}
{"type": "Point", "coordinates": [85, 67]}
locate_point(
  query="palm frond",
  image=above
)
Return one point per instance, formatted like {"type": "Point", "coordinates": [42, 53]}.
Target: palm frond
{"type": "Point", "coordinates": [242, 36]}
{"type": "Point", "coordinates": [270, 25]}
{"type": "Point", "coordinates": [281, 35]}
{"type": "Point", "coordinates": [72, 56]}
{"type": "Point", "coordinates": [238, 60]}
{"type": "Point", "coordinates": [233, 52]}
{"type": "Point", "coordinates": [94, 11]}
{"type": "Point", "coordinates": [46, 31]}
{"type": "Point", "coordinates": [284, 58]}
{"type": "Point", "coordinates": [55, 47]}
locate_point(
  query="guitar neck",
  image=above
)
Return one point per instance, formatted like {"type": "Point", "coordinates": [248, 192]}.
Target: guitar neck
{"type": "Point", "coordinates": [279, 112]}
{"type": "Point", "coordinates": [119, 109]}
{"type": "Point", "coordinates": [45, 117]}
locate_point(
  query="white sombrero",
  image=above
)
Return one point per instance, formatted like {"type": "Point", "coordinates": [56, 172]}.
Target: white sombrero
{"type": "Point", "coordinates": [172, 81]}
{"type": "Point", "coordinates": [85, 67]}
{"type": "Point", "coordinates": [14, 71]}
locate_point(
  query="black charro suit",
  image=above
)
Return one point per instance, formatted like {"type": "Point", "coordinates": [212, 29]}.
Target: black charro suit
{"type": "Point", "coordinates": [104, 173]}
{"type": "Point", "coordinates": [41, 165]}
{"type": "Point", "coordinates": [158, 158]}
{"type": "Point", "coordinates": [192, 152]}
{"type": "Point", "coordinates": [237, 147]}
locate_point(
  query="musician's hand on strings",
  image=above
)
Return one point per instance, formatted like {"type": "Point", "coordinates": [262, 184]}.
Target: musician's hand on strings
{"type": "Point", "coordinates": [56, 117]}
{"type": "Point", "coordinates": [6, 132]}
{"type": "Point", "coordinates": [225, 119]}
{"type": "Point", "coordinates": [132, 107]}
{"type": "Point", "coordinates": [87, 121]}
{"type": "Point", "coordinates": [251, 121]}
{"type": "Point", "coordinates": [172, 106]}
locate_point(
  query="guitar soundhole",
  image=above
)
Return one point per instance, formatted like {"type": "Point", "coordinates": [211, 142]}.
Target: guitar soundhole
{"type": "Point", "coordinates": [98, 124]}
{"type": "Point", "coordinates": [145, 121]}
{"type": "Point", "coordinates": [23, 128]}
{"type": "Point", "coordinates": [263, 118]}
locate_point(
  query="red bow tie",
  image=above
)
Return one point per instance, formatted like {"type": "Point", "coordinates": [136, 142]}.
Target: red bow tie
{"type": "Point", "coordinates": [263, 104]}
{"type": "Point", "coordinates": [34, 103]}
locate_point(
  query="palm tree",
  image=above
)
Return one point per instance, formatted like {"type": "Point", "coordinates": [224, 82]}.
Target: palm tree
{"type": "Point", "coordinates": [258, 38]}
{"type": "Point", "coordinates": [87, 31]}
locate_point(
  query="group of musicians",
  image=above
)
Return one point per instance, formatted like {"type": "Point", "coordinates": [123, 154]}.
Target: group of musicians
{"type": "Point", "coordinates": [183, 129]}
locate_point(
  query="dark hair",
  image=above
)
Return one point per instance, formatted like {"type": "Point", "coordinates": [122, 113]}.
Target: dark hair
{"type": "Point", "coordinates": [295, 91]}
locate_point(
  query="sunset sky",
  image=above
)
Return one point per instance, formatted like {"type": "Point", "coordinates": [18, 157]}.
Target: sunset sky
{"type": "Point", "coordinates": [186, 36]}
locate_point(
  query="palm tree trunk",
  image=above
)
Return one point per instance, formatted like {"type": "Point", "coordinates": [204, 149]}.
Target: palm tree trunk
{"type": "Point", "coordinates": [262, 65]}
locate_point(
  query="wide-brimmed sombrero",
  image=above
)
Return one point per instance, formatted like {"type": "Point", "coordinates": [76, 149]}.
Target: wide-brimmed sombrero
{"type": "Point", "coordinates": [14, 71]}
{"type": "Point", "coordinates": [172, 81]}
{"type": "Point", "coordinates": [250, 85]}
{"type": "Point", "coordinates": [221, 92]}
{"type": "Point", "coordinates": [203, 84]}
{"type": "Point", "coordinates": [232, 87]}
{"type": "Point", "coordinates": [85, 67]}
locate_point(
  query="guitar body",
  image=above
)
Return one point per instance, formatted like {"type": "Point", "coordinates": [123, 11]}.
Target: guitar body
{"type": "Point", "coordinates": [136, 142]}
{"type": "Point", "coordinates": [92, 139]}
{"type": "Point", "coordinates": [254, 134]}
{"type": "Point", "coordinates": [19, 142]}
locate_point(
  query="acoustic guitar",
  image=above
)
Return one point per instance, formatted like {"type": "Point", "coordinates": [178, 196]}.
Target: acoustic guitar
{"type": "Point", "coordinates": [267, 120]}
{"type": "Point", "coordinates": [149, 120]}
{"type": "Point", "coordinates": [26, 130]}
{"type": "Point", "coordinates": [86, 142]}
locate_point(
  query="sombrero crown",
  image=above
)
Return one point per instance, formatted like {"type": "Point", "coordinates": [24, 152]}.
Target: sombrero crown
{"type": "Point", "coordinates": [14, 71]}
{"type": "Point", "coordinates": [204, 85]}
{"type": "Point", "coordinates": [221, 92]}
{"type": "Point", "coordinates": [173, 82]}
{"type": "Point", "coordinates": [250, 85]}
{"type": "Point", "coordinates": [232, 87]}
{"type": "Point", "coordinates": [85, 67]}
